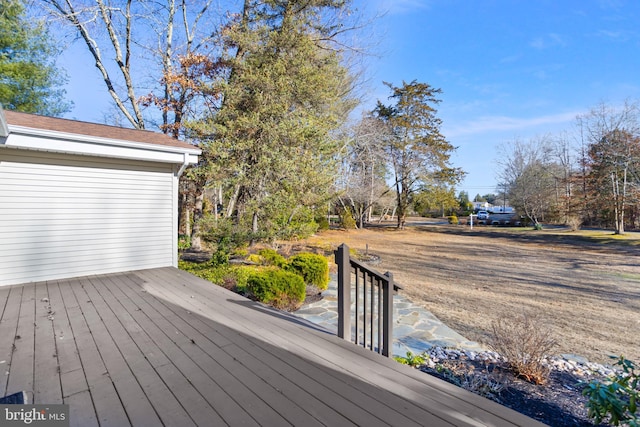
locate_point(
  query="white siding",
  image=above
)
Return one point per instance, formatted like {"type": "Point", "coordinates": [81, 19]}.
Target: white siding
{"type": "Point", "coordinates": [64, 216]}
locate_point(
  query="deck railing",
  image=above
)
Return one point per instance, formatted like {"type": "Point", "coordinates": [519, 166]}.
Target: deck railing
{"type": "Point", "coordinates": [372, 316]}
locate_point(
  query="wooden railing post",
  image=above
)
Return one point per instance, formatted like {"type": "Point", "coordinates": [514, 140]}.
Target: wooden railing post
{"type": "Point", "coordinates": [387, 326]}
{"type": "Point", "coordinates": [344, 292]}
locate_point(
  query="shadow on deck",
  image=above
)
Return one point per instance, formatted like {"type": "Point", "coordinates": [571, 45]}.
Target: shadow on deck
{"type": "Point", "coordinates": [162, 347]}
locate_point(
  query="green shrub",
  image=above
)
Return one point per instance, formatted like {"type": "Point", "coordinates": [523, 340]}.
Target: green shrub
{"type": "Point", "coordinates": [272, 257]}
{"type": "Point", "coordinates": [220, 257]}
{"type": "Point", "coordinates": [453, 220]}
{"type": "Point", "coordinates": [296, 230]}
{"type": "Point", "coordinates": [231, 277]}
{"type": "Point", "coordinates": [616, 398]}
{"type": "Point", "coordinates": [313, 268]}
{"type": "Point", "coordinates": [184, 242]}
{"type": "Point", "coordinates": [346, 220]}
{"type": "Point", "coordinates": [240, 253]}
{"type": "Point", "coordinates": [279, 288]}
{"type": "Point", "coordinates": [413, 360]}
{"type": "Point", "coordinates": [256, 259]}
{"type": "Point", "coordinates": [323, 222]}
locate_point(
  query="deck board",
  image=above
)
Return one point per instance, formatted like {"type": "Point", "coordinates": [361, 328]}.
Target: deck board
{"type": "Point", "coordinates": [137, 407]}
{"type": "Point", "coordinates": [75, 389]}
{"type": "Point", "coordinates": [47, 386]}
{"type": "Point", "coordinates": [120, 325]}
{"type": "Point", "coordinates": [106, 402]}
{"type": "Point", "coordinates": [21, 372]}
{"type": "Point", "coordinates": [162, 347]}
{"type": "Point", "coordinates": [184, 377]}
{"type": "Point", "coordinates": [8, 326]}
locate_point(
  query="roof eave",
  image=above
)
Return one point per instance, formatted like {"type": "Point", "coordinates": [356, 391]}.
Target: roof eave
{"type": "Point", "coordinates": [21, 137]}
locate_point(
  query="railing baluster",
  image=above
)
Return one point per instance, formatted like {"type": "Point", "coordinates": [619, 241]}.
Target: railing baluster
{"type": "Point", "coordinates": [344, 292]}
{"type": "Point", "coordinates": [364, 310]}
{"type": "Point", "coordinates": [380, 316]}
{"type": "Point", "coordinates": [384, 288]}
{"type": "Point", "coordinates": [388, 314]}
{"type": "Point", "coordinates": [372, 310]}
{"type": "Point", "coordinates": [356, 318]}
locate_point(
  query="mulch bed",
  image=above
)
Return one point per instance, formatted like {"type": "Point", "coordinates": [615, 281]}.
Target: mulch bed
{"type": "Point", "coordinates": [559, 402]}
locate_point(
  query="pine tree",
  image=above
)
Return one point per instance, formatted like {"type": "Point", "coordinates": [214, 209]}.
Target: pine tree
{"type": "Point", "coordinates": [417, 150]}
{"type": "Point", "coordinates": [29, 79]}
{"type": "Point", "coordinates": [285, 94]}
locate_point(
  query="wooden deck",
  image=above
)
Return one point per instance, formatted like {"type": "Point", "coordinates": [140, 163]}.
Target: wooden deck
{"type": "Point", "coordinates": [162, 347]}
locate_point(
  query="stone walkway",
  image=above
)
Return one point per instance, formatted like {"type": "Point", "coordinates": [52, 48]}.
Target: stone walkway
{"type": "Point", "coordinates": [415, 328]}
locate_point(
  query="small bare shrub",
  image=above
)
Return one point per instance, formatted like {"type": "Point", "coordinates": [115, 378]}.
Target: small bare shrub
{"type": "Point", "coordinates": [524, 340]}
{"type": "Point", "coordinates": [574, 223]}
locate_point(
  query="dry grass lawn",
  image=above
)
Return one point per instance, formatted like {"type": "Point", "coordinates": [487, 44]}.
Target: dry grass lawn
{"type": "Point", "coordinates": [587, 284]}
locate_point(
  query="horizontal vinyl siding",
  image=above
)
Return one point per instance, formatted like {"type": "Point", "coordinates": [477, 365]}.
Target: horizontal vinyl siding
{"type": "Point", "coordinates": [66, 216]}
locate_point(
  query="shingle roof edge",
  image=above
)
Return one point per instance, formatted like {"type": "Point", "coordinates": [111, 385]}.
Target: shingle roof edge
{"type": "Point", "coordinates": [68, 126]}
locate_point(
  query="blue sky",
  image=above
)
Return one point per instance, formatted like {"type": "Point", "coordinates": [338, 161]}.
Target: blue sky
{"type": "Point", "coordinates": [507, 68]}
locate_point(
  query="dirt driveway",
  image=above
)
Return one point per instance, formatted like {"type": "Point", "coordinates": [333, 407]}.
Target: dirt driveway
{"type": "Point", "coordinates": [587, 284]}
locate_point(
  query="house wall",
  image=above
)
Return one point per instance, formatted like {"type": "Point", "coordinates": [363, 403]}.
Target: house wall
{"type": "Point", "coordinates": [65, 215]}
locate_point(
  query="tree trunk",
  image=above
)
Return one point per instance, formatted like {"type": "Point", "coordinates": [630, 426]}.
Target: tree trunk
{"type": "Point", "coordinates": [184, 215]}
{"type": "Point", "coordinates": [400, 204]}
{"type": "Point", "coordinates": [619, 197]}
{"type": "Point", "coordinates": [233, 200]}
{"type": "Point", "coordinates": [254, 228]}
{"type": "Point", "coordinates": [196, 242]}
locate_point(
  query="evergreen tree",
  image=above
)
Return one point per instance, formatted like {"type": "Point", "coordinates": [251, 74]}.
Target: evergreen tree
{"type": "Point", "coordinates": [285, 94]}
{"type": "Point", "coordinates": [29, 80]}
{"type": "Point", "coordinates": [419, 153]}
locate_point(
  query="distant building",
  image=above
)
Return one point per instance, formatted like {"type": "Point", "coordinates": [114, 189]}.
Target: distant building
{"type": "Point", "coordinates": [486, 206]}
{"type": "Point", "coordinates": [501, 209]}
{"type": "Point", "coordinates": [481, 206]}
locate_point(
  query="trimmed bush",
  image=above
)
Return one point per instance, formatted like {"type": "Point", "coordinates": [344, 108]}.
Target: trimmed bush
{"type": "Point", "coordinates": [313, 268]}
{"type": "Point", "coordinates": [230, 277]}
{"type": "Point", "coordinates": [453, 220]}
{"type": "Point", "coordinates": [272, 257]}
{"type": "Point", "coordinates": [279, 288]}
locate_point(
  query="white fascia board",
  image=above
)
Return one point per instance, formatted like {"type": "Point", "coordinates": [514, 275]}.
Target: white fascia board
{"type": "Point", "coordinates": [45, 140]}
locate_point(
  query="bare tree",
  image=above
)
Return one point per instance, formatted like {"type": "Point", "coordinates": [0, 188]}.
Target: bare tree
{"type": "Point", "coordinates": [528, 174]}
{"type": "Point", "coordinates": [614, 157]}
{"type": "Point", "coordinates": [363, 169]}
{"type": "Point", "coordinates": [565, 156]}
{"type": "Point", "coordinates": [133, 43]}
